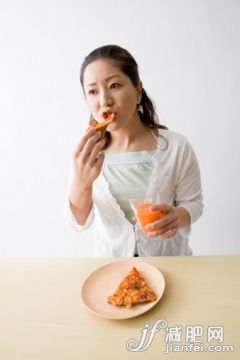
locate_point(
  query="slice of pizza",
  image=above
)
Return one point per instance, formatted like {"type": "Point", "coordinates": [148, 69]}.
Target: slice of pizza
{"type": "Point", "coordinates": [132, 290]}
{"type": "Point", "coordinates": [102, 126]}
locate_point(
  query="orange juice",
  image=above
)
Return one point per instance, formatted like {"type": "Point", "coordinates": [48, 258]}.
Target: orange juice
{"type": "Point", "coordinates": [146, 216]}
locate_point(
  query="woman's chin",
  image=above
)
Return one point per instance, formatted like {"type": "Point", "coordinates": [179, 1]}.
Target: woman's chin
{"type": "Point", "coordinates": [112, 127]}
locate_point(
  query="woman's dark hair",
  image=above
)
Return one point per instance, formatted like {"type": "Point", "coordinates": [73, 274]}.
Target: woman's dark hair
{"type": "Point", "coordinates": [129, 67]}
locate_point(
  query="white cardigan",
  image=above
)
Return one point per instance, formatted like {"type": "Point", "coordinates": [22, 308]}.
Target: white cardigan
{"type": "Point", "coordinates": [175, 178]}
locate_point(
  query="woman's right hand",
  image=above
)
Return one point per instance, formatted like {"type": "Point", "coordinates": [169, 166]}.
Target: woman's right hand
{"type": "Point", "coordinates": [87, 159]}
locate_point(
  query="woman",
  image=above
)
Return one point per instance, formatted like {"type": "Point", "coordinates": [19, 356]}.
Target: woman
{"type": "Point", "coordinates": [137, 157]}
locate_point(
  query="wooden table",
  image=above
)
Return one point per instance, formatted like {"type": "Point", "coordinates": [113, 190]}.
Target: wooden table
{"type": "Point", "coordinates": [42, 316]}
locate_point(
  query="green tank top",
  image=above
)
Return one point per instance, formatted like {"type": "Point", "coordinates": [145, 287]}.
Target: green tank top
{"type": "Point", "coordinates": [128, 175]}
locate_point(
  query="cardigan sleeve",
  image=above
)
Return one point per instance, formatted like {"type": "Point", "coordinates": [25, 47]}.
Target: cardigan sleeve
{"type": "Point", "coordinates": [188, 191]}
{"type": "Point", "coordinates": [70, 218]}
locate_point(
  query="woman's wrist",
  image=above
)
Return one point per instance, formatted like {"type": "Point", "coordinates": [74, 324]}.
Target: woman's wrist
{"type": "Point", "coordinates": [184, 218]}
{"type": "Point", "coordinates": [80, 202]}
{"type": "Point", "coordinates": [79, 195]}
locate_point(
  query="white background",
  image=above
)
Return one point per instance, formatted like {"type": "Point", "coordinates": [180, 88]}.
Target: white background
{"type": "Point", "coordinates": [188, 54]}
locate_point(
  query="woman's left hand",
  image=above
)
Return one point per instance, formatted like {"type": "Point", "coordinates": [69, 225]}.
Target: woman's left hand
{"type": "Point", "coordinates": [167, 226]}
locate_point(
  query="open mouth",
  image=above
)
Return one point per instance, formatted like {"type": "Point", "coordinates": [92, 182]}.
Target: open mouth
{"type": "Point", "coordinates": [107, 116]}
{"type": "Point", "coordinates": [102, 126]}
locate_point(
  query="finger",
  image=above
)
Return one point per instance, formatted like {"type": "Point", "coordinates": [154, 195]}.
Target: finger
{"type": "Point", "coordinates": [83, 141]}
{"type": "Point", "coordinates": [172, 216]}
{"type": "Point", "coordinates": [162, 207]}
{"type": "Point", "coordinates": [100, 160]}
{"type": "Point", "coordinates": [95, 151]}
{"type": "Point", "coordinates": [166, 235]}
{"type": "Point", "coordinates": [167, 228]}
{"type": "Point", "coordinates": [88, 148]}
{"type": "Point", "coordinates": [169, 234]}
{"type": "Point", "coordinates": [165, 220]}
{"type": "Point", "coordinates": [163, 230]}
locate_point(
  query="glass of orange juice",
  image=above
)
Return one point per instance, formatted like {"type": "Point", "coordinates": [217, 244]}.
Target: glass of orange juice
{"type": "Point", "coordinates": [143, 213]}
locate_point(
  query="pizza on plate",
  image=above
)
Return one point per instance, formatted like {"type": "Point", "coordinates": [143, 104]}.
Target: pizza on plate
{"type": "Point", "coordinates": [132, 290]}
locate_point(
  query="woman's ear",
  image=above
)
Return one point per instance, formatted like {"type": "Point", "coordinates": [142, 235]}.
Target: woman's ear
{"type": "Point", "coordinates": [139, 91]}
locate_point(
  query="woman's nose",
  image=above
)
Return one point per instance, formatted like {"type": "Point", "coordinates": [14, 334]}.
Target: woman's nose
{"type": "Point", "coordinates": [105, 99]}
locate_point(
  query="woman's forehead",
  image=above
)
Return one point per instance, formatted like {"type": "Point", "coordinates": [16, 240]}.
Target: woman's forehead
{"type": "Point", "coordinates": [101, 70]}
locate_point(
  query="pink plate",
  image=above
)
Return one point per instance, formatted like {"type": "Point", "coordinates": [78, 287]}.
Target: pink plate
{"type": "Point", "coordinates": [103, 282]}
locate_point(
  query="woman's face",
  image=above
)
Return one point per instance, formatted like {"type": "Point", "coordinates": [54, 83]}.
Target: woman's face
{"type": "Point", "coordinates": [108, 89]}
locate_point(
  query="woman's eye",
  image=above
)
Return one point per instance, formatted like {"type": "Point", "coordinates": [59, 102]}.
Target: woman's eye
{"type": "Point", "coordinates": [114, 85]}
{"type": "Point", "coordinates": [92, 92]}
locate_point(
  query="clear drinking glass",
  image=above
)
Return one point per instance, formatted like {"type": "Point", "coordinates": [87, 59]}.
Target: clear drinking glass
{"type": "Point", "coordinates": [141, 207]}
